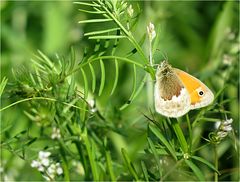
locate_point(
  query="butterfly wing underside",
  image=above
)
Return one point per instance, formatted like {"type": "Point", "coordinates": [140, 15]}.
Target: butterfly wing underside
{"type": "Point", "coordinates": [200, 94]}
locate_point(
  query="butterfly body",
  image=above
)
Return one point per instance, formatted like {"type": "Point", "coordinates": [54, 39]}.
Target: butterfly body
{"type": "Point", "coordinates": [177, 92]}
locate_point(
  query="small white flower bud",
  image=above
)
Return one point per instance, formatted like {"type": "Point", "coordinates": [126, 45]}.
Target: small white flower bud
{"type": "Point", "coordinates": [45, 161]}
{"type": "Point", "coordinates": [35, 163]}
{"type": "Point", "coordinates": [43, 154]}
{"type": "Point", "coordinates": [151, 31]}
{"type": "Point", "coordinates": [130, 10]}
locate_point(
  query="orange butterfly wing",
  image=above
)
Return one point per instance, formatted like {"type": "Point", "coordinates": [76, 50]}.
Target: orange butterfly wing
{"type": "Point", "coordinates": [194, 86]}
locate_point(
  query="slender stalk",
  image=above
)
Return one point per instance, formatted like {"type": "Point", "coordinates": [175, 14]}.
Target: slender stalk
{"type": "Point", "coordinates": [40, 98]}
{"type": "Point", "coordinates": [190, 133]}
{"type": "Point", "coordinates": [149, 82]}
{"type": "Point", "coordinates": [128, 34]}
{"type": "Point", "coordinates": [64, 163]}
{"type": "Point", "coordinates": [180, 136]}
{"type": "Point", "coordinates": [216, 163]}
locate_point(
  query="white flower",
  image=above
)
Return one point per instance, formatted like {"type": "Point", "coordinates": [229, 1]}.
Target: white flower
{"type": "Point", "coordinates": [151, 31]}
{"type": "Point", "coordinates": [217, 124]}
{"type": "Point", "coordinates": [227, 60]}
{"type": "Point", "coordinates": [46, 178]}
{"type": "Point", "coordinates": [51, 169]}
{"type": "Point", "coordinates": [91, 103]}
{"type": "Point", "coordinates": [224, 128]}
{"type": "Point", "coordinates": [45, 162]}
{"type": "Point", "coordinates": [40, 168]}
{"type": "Point", "coordinates": [38, 165]}
{"type": "Point", "coordinates": [35, 163]}
{"type": "Point", "coordinates": [59, 170]}
{"type": "Point", "coordinates": [56, 133]}
{"type": "Point", "coordinates": [79, 167]}
{"type": "Point", "coordinates": [228, 121]}
{"type": "Point", "coordinates": [42, 154]}
{"type": "Point", "coordinates": [130, 10]}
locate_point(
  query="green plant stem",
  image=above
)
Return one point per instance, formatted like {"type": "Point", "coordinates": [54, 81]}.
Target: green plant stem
{"type": "Point", "coordinates": [190, 132]}
{"type": "Point", "coordinates": [113, 58]}
{"type": "Point", "coordinates": [109, 166]}
{"type": "Point", "coordinates": [81, 154]}
{"type": "Point", "coordinates": [40, 98]}
{"type": "Point", "coordinates": [64, 163]}
{"type": "Point", "coordinates": [180, 136]}
{"type": "Point", "coordinates": [216, 163]}
{"type": "Point", "coordinates": [150, 85]}
{"type": "Point", "coordinates": [128, 34]}
{"type": "Point", "coordinates": [90, 156]}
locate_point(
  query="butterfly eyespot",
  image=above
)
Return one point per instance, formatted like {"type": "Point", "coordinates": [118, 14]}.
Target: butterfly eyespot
{"type": "Point", "coordinates": [200, 93]}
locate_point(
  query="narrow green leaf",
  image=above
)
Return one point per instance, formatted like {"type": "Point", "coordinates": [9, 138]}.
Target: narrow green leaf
{"type": "Point", "coordinates": [38, 65]}
{"type": "Point", "coordinates": [109, 166]}
{"type": "Point", "coordinates": [108, 37]}
{"type": "Point", "coordinates": [87, 4]}
{"type": "Point", "coordinates": [156, 131]}
{"type": "Point", "coordinates": [64, 162]}
{"type": "Point", "coordinates": [92, 12]}
{"type": "Point", "coordinates": [101, 31]}
{"type": "Point", "coordinates": [72, 59]}
{"type": "Point", "coordinates": [47, 60]}
{"type": "Point", "coordinates": [71, 87]}
{"type": "Point", "coordinates": [129, 164]}
{"type": "Point", "coordinates": [179, 133]}
{"type": "Point", "coordinates": [39, 78]}
{"type": "Point", "coordinates": [116, 76]}
{"type": "Point", "coordinates": [133, 90]}
{"type": "Point", "coordinates": [95, 20]}
{"type": "Point", "coordinates": [31, 141]}
{"type": "Point", "coordinates": [196, 170]}
{"type": "Point", "coordinates": [85, 83]}
{"type": "Point", "coordinates": [3, 84]}
{"type": "Point", "coordinates": [153, 149]}
{"type": "Point", "coordinates": [93, 77]}
{"type": "Point", "coordinates": [206, 162]}
{"type": "Point", "coordinates": [102, 77]}
{"type": "Point", "coordinates": [91, 155]}
{"type": "Point", "coordinates": [144, 169]}
{"type": "Point", "coordinates": [140, 87]}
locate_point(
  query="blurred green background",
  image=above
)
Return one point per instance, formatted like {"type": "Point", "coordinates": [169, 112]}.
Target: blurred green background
{"type": "Point", "coordinates": [191, 34]}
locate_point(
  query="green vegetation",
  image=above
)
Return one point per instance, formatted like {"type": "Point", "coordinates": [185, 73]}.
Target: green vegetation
{"type": "Point", "coordinates": [77, 100]}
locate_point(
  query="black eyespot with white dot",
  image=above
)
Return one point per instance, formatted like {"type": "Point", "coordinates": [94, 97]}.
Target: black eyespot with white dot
{"type": "Point", "coordinates": [200, 93]}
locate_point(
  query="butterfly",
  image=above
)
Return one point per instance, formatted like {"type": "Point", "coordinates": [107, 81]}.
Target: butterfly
{"type": "Point", "coordinates": [177, 92]}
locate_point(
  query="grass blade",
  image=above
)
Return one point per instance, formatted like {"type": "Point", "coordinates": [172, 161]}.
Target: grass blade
{"type": "Point", "coordinates": [152, 147]}
{"type": "Point", "coordinates": [109, 166]}
{"type": "Point", "coordinates": [108, 37]}
{"type": "Point", "coordinates": [205, 162]}
{"type": "Point", "coordinates": [85, 83]}
{"type": "Point", "coordinates": [116, 76]}
{"type": "Point", "coordinates": [87, 4]}
{"type": "Point", "coordinates": [196, 170]}
{"type": "Point", "coordinates": [163, 140]}
{"type": "Point", "coordinates": [101, 31]}
{"type": "Point", "coordinates": [95, 21]}
{"type": "Point", "coordinates": [102, 77]}
{"type": "Point", "coordinates": [129, 164]}
{"type": "Point", "coordinates": [93, 77]}
{"type": "Point", "coordinates": [134, 88]}
{"type": "Point", "coordinates": [144, 169]}
{"type": "Point", "coordinates": [3, 84]}
{"type": "Point", "coordinates": [91, 12]}
{"type": "Point", "coordinates": [91, 156]}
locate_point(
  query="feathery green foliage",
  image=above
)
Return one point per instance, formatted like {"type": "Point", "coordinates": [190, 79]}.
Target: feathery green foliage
{"type": "Point", "coordinates": [92, 108]}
